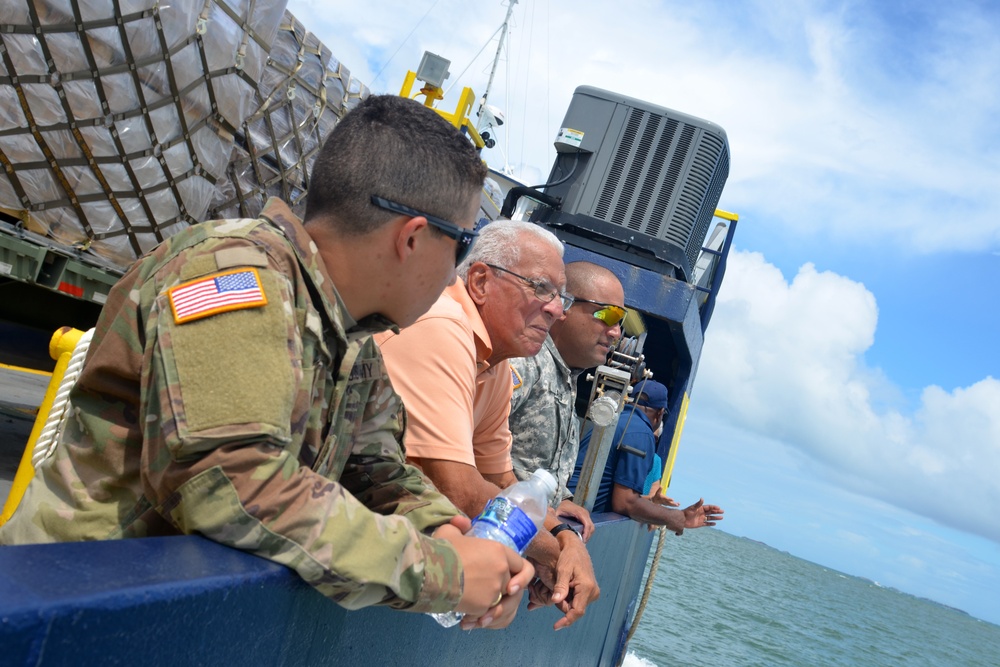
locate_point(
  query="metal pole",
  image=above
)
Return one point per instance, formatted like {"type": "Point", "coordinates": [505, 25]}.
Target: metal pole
{"type": "Point", "coordinates": [496, 58]}
{"type": "Point", "coordinates": [611, 387]}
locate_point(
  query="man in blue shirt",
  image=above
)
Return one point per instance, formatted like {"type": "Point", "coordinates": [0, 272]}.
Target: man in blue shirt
{"type": "Point", "coordinates": [629, 463]}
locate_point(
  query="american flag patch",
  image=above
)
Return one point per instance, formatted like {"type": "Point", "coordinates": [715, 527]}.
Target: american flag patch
{"type": "Point", "coordinates": [515, 378]}
{"type": "Point", "coordinates": [220, 293]}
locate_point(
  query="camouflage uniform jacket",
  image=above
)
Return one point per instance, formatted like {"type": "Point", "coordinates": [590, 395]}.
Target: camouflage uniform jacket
{"type": "Point", "coordinates": [546, 431]}
{"type": "Point", "coordinates": [271, 428]}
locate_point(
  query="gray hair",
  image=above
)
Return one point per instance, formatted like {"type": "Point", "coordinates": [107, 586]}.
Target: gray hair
{"type": "Point", "coordinates": [498, 243]}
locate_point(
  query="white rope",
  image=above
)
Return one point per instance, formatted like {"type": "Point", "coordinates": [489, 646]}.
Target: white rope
{"type": "Point", "coordinates": [47, 439]}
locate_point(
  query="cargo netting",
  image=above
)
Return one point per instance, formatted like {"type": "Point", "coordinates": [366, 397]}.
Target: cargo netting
{"type": "Point", "coordinates": [122, 122]}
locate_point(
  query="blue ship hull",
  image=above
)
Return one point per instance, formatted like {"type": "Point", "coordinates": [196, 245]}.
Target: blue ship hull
{"type": "Point", "coordinates": [189, 601]}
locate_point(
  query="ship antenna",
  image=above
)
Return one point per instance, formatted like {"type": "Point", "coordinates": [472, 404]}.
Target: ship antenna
{"type": "Point", "coordinates": [496, 58]}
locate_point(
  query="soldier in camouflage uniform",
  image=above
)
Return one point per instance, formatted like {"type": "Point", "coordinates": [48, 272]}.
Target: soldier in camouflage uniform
{"type": "Point", "coordinates": [545, 428]}
{"type": "Point", "coordinates": [232, 387]}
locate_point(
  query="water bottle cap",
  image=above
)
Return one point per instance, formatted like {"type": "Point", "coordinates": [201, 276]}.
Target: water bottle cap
{"type": "Point", "coordinates": [547, 480]}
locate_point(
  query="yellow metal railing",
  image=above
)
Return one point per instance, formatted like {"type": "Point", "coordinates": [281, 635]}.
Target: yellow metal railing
{"type": "Point", "coordinates": [668, 465]}
{"type": "Point", "coordinates": [459, 118]}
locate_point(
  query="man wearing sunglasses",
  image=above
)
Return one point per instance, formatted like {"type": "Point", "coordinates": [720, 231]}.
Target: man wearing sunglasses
{"type": "Point", "coordinates": [545, 430]}
{"type": "Point", "coordinates": [451, 369]}
{"type": "Point", "coordinates": [233, 390]}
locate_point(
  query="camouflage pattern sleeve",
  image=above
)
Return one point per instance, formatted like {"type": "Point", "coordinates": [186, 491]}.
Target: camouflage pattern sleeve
{"type": "Point", "coordinates": [226, 399]}
{"type": "Point", "coordinates": [391, 489]}
{"type": "Point", "coordinates": [524, 375]}
{"type": "Point", "coordinates": [542, 422]}
{"type": "Point", "coordinates": [376, 472]}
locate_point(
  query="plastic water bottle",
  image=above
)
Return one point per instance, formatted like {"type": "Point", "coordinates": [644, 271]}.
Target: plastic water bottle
{"type": "Point", "coordinates": [512, 519]}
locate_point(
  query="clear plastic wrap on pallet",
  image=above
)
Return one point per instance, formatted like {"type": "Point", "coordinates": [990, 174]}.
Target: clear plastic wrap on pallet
{"type": "Point", "coordinates": [118, 117]}
{"type": "Point", "coordinates": [302, 95]}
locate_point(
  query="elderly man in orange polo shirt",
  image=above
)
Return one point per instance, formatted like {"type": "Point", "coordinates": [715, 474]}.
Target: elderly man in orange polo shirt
{"type": "Point", "coordinates": [451, 370]}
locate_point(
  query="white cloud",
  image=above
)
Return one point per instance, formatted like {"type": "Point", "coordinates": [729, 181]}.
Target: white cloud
{"type": "Point", "coordinates": [785, 359]}
{"type": "Point", "coordinates": [771, 493]}
{"type": "Point", "coordinates": [839, 122]}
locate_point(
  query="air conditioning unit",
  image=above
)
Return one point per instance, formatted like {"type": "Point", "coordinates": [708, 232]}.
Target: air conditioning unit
{"type": "Point", "coordinates": [639, 179]}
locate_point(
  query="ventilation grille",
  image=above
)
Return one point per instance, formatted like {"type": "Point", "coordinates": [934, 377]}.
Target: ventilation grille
{"type": "Point", "coordinates": [664, 180]}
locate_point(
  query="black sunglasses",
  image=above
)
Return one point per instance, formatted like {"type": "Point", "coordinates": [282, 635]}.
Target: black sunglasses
{"type": "Point", "coordinates": [609, 313]}
{"type": "Point", "coordinates": [465, 237]}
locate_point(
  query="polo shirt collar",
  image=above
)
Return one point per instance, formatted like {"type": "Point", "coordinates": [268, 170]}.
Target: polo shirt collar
{"type": "Point", "coordinates": [484, 348]}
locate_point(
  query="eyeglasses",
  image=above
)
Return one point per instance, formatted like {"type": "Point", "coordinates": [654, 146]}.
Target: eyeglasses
{"type": "Point", "coordinates": [544, 292]}
{"type": "Point", "coordinates": [608, 313]}
{"type": "Point", "coordinates": [465, 237]}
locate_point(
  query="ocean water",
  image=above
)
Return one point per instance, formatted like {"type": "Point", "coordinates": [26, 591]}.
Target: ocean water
{"type": "Point", "coordinates": [724, 601]}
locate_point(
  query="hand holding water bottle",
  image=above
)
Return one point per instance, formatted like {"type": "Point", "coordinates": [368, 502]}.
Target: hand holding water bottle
{"type": "Point", "coordinates": [511, 519]}
{"type": "Point", "coordinates": [494, 577]}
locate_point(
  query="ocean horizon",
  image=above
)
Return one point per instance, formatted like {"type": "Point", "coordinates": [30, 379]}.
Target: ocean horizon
{"type": "Point", "coordinates": [720, 600]}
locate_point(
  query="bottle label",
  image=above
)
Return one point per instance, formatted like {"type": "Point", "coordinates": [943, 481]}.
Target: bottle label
{"type": "Point", "coordinates": [511, 519]}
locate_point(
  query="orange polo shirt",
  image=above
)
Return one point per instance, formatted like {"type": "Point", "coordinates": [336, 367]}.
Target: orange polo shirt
{"type": "Point", "coordinates": [456, 403]}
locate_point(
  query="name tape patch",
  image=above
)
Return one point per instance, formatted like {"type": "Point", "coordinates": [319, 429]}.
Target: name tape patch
{"type": "Point", "coordinates": [218, 293]}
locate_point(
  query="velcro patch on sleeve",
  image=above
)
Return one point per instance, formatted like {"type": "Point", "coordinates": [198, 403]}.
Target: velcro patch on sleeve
{"type": "Point", "coordinates": [218, 293]}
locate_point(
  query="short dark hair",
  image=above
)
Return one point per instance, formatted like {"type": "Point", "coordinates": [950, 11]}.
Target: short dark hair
{"type": "Point", "coordinates": [398, 149]}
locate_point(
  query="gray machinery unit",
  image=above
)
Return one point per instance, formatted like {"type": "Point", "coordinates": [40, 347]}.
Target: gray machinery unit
{"type": "Point", "coordinates": [635, 180]}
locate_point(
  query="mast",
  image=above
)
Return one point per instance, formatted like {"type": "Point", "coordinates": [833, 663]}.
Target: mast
{"type": "Point", "coordinates": [496, 58]}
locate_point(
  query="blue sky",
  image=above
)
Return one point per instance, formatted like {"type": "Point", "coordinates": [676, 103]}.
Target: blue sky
{"type": "Point", "coordinates": [847, 408]}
